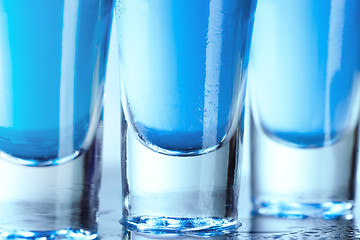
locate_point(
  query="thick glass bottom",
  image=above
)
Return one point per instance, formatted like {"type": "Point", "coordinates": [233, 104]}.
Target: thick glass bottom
{"type": "Point", "coordinates": [48, 235]}
{"type": "Point", "coordinates": [303, 182]}
{"type": "Point", "coordinates": [296, 210]}
{"type": "Point", "coordinates": [179, 194]}
{"type": "Point", "coordinates": [167, 225]}
{"type": "Point", "coordinates": [51, 202]}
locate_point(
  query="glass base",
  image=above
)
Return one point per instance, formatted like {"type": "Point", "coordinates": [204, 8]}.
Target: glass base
{"type": "Point", "coordinates": [179, 194]}
{"type": "Point", "coordinates": [303, 182]}
{"type": "Point", "coordinates": [295, 210]}
{"type": "Point", "coordinates": [48, 235]}
{"type": "Point", "coordinates": [52, 202]}
{"type": "Point", "coordinates": [167, 225]}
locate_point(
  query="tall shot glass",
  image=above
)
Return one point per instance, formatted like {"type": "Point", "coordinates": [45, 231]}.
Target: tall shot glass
{"type": "Point", "coordinates": [52, 68]}
{"type": "Point", "coordinates": [182, 66]}
{"type": "Point", "coordinates": [304, 86]}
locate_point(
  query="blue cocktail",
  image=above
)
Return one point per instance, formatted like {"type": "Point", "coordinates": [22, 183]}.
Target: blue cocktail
{"type": "Point", "coordinates": [305, 76]}
{"type": "Point", "coordinates": [182, 68]}
{"type": "Point", "coordinates": [52, 68]}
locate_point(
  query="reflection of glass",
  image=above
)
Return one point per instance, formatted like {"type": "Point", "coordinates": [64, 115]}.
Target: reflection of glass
{"type": "Point", "coordinates": [304, 103]}
{"type": "Point", "coordinates": [182, 65]}
{"type": "Point", "coordinates": [52, 67]}
{"type": "Point", "coordinates": [267, 227]}
{"type": "Point", "coordinates": [128, 235]}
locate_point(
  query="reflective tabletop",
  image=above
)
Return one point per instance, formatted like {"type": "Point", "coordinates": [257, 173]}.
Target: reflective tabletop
{"type": "Point", "coordinates": [253, 227]}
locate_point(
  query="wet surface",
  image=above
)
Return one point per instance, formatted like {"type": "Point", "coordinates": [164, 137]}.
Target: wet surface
{"type": "Point", "coordinates": [253, 227]}
{"type": "Point", "coordinates": [265, 228]}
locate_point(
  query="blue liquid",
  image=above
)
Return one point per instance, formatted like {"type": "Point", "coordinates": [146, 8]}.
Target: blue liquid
{"type": "Point", "coordinates": [305, 70]}
{"type": "Point", "coordinates": [182, 65]}
{"type": "Point", "coordinates": [52, 67]}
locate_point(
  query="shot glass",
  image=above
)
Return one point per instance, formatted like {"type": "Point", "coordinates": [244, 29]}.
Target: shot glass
{"type": "Point", "coordinates": [182, 70]}
{"type": "Point", "coordinates": [52, 68]}
{"type": "Point", "coordinates": [304, 91]}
